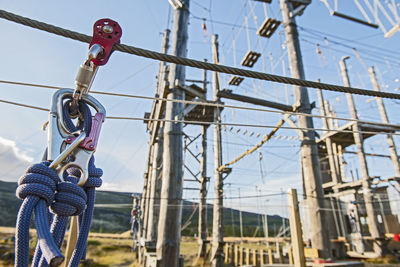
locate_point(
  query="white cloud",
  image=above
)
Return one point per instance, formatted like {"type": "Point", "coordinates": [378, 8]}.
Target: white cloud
{"type": "Point", "coordinates": [13, 161]}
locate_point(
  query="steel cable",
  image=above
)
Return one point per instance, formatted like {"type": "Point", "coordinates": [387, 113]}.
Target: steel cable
{"type": "Point", "coordinates": [191, 62]}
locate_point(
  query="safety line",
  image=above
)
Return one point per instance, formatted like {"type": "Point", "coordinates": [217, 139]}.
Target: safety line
{"type": "Point", "coordinates": [211, 123]}
{"type": "Point", "coordinates": [193, 63]}
{"type": "Point", "coordinates": [211, 104]}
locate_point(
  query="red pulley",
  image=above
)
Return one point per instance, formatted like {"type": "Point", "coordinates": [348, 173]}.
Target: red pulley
{"type": "Point", "coordinates": [106, 33]}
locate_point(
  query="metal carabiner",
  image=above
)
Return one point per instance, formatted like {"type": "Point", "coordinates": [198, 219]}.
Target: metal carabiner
{"type": "Point", "coordinates": [66, 149]}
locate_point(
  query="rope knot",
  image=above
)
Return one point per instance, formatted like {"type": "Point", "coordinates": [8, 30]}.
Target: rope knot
{"type": "Point", "coordinates": [40, 181]}
{"type": "Point", "coordinates": [94, 179]}
{"type": "Point", "coordinates": [70, 200]}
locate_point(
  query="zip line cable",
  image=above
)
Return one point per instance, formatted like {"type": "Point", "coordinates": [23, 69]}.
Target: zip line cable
{"type": "Point", "coordinates": [193, 63]}
{"type": "Point", "coordinates": [210, 123]}
{"type": "Point", "coordinates": [196, 103]}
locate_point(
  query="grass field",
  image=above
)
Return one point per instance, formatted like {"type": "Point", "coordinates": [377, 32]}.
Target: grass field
{"type": "Point", "coordinates": [116, 250]}
{"type": "Point", "coordinates": [103, 249]}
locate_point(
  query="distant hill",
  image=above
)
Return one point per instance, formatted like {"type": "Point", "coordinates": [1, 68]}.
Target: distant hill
{"type": "Point", "coordinates": [117, 218]}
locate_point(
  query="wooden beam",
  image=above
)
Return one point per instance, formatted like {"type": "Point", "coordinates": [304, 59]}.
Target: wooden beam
{"type": "Point", "coordinates": [344, 16]}
{"type": "Point", "coordinates": [256, 101]}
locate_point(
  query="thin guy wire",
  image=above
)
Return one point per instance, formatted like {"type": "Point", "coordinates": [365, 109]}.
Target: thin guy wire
{"type": "Point", "coordinates": [210, 123]}
{"type": "Point", "coordinates": [205, 104]}
{"type": "Point", "coordinates": [194, 63]}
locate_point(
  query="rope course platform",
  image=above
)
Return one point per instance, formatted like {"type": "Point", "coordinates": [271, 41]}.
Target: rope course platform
{"type": "Point", "coordinates": [250, 59]}
{"type": "Point", "coordinates": [268, 28]}
{"type": "Point", "coordinates": [236, 80]}
{"type": "Point", "coordinates": [345, 137]}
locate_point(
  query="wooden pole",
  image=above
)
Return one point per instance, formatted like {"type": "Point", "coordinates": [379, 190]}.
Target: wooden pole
{"type": "Point", "coordinates": [248, 256]}
{"type": "Point", "coordinates": [328, 141]}
{"type": "Point", "coordinates": [217, 259]}
{"type": "Point", "coordinates": [155, 189]}
{"type": "Point", "coordinates": [296, 233]}
{"type": "Point", "coordinates": [255, 262]}
{"type": "Point", "coordinates": [262, 257]}
{"type": "Point", "coordinates": [270, 256]}
{"type": "Point", "coordinates": [358, 138]}
{"type": "Point", "coordinates": [145, 198]}
{"type": "Point", "coordinates": [385, 119]}
{"type": "Point", "coordinates": [169, 226]}
{"type": "Point", "coordinates": [309, 152]}
{"type": "Point", "coordinates": [203, 186]}
{"type": "Point", "coordinates": [240, 220]}
{"type": "Point", "coordinates": [155, 175]}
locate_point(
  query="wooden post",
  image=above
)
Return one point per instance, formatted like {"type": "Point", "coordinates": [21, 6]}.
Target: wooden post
{"type": "Point", "coordinates": [329, 149]}
{"type": "Point", "coordinates": [169, 226]}
{"type": "Point", "coordinates": [270, 256]}
{"type": "Point", "coordinates": [218, 224]}
{"type": "Point", "coordinates": [155, 175]}
{"type": "Point", "coordinates": [203, 186]}
{"type": "Point", "coordinates": [226, 247]}
{"type": "Point", "coordinates": [255, 262]}
{"type": "Point", "coordinates": [309, 152]}
{"type": "Point", "coordinates": [241, 255]}
{"type": "Point", "coordinates": [248, 256]}
{"type": "Point", "coordinates": [262, 257]}
{"type": "Point", "coordinates": [145, 194]}
{"type": "Point", "coordinates": [358, 138]}
{"type": "Point", "coordinates": [296, 232]}
{"type": "Point", "coordinates": [392, 147]}
{"type": "Point", "coordinates": [155, 189]}
{"type": "Point", "coordinates": [236, 257]}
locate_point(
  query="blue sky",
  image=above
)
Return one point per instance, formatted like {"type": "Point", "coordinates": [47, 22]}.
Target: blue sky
{"type": "Point", "coordinates": [37, 57]}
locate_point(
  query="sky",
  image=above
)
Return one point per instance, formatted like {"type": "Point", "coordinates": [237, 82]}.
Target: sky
{"type": "Point", "coordinates": [37, 57]}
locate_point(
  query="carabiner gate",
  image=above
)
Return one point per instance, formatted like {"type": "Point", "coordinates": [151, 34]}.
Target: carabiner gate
{"type": "Point", "coordinates": [66, 149]}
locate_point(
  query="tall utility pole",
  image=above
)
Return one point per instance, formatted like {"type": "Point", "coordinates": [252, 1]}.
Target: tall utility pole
{"type": "Point", "coordinates": [155, 189]}
{"type": "Point", "coordinates": [328, 142]}
{"type": "Point", "coordinates": [155, 175]}
{"type": "Point", "coordinates": [309, 152]}
{"type": "Point", "coordinates": [358, 139]}
{"type": "Point", "coordinates": [203, 184]}
{"type": "Point", "coordinates": [392, 147]}
{"type": "Point", "coordinates": [145, 195]}
{"type": "Point", "coordinates": [169, 226]}
{"type": "Point", "coordinates": [217, 259]}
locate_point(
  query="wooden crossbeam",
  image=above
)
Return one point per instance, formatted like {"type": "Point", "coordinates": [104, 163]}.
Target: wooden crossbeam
{"type": "Point", "coordinates": [250, 59]}
{"type": "Point", "coordinates": [265, 1]}
{"type": "Point", "coordinates": [268, 27]}
{"type": "Point", "coordinates": [193, 155]}
{"type": "Point", "coordinates": [344, 16]}
{"type": "Point", "coordinates": [236, 80]}
{"type": "Point", "coordinates": [256, 101]}
{"type": "Point", "coordinates": [191, 188]}
{"type": "Point", "coordinates": [194, 175]}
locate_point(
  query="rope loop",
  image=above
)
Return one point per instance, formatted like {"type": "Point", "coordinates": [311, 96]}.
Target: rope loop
{"type": "Point", "coordinates": [39, 181]}
{"type": "Point", "coordinates": [70, 200]}
{"type": "Point", "coordinates": [84, 121]}
{"type": "Point", "coordinates": [94, 179]}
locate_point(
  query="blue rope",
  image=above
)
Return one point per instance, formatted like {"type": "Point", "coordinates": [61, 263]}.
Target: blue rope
{"type": "Point", "coordinates": [53, 202]}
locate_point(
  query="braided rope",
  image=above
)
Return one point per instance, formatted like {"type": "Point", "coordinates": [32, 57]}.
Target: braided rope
{"type": "Point", "coordinates": [191, 62]}
{"type": "Point", "coordinates": [43, 192]}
